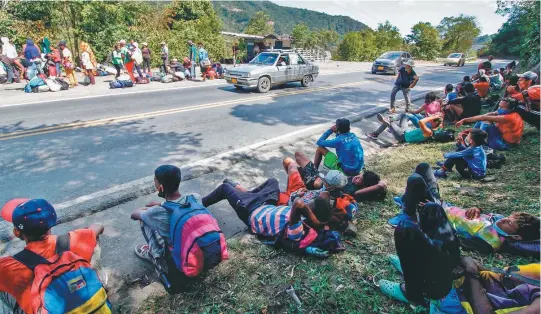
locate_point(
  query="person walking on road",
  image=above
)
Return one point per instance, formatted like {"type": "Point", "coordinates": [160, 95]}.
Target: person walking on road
{"type": "Point", "coordinates": [193, 57]}
{"type": "Point", "coordinates": [165, 57]}
{"type": "Point", "coordinates": [117, 60]}
{"type": "Point", "coordinates": [146, 58]}
{"type": "Point", "coordinates": [88, 61]}
{"type": "Point", "coordinates": [405, 81]}
{"type": "Point", "coordinates": [235, 53]}
{"type": "Point", "coordinates": [67, 63]}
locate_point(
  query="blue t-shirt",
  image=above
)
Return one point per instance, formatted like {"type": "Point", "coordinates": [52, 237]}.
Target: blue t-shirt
{"type": "Point", "coordinates": [348, 149]}
{"type": "Point", "coordinates": [475, 157]}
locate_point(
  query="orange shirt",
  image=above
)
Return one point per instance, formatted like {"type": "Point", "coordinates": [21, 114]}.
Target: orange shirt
{"type": "Point", "coordinates": [512, 128]}
{"type": "Point", "coordinates": [482, 88]}
{"type": "Point", "coordinates": [16, 279]}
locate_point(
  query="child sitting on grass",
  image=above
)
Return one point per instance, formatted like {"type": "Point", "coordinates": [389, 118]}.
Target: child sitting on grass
{"type": "Point", "coordinates": [470, 162]}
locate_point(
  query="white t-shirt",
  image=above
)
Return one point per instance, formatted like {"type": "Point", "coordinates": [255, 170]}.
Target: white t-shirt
{"type": "Point", "coordinates": [85, 59]}
{"type": "Point", "coordinates": [9, 51]}
{"type": "Point", "coordinates": [66, 54]}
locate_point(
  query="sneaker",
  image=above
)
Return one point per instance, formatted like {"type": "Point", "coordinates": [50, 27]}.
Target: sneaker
{"type": "Point", "coordinates": [143, 252]}
{"type": "Point", "coordinates": [230, 182]}
{"type": "Point", "coordinates": [372, 135]}
{"type": "Point", "coordinates": [394, 221]}
{"type": "Point", "coordinates": [392, 110]}
{"type": "Point", "coordinates": [440, 174]}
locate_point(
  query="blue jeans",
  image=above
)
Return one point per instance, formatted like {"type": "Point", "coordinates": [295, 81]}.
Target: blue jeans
{"type": "Point", "coordinates": [495, 140]}
{"type": "Point", "coordinates": [58, 72]}
{"type": "Point", "coordinates": [192, 70]}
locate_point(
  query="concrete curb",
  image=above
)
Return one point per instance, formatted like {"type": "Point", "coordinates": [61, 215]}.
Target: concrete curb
{"type": "Point", "coordinates": [102, 200]}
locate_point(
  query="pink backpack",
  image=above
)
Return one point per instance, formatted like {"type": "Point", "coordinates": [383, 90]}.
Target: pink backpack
{"type": "Point", "coordinates": [198, 243]}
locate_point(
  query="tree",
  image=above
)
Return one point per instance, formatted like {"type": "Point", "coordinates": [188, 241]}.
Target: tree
{"type": "Point", "coordinates": [388, 37]}
{"type": "Point", "coordinates": [358, 46]}
{"type": "Point", "coordinates": [300, 34]}
{"type": "Point", "coordinates": [425, 40]}
{"type": "Point", "coordinates": [519, 35]}
{"type": "Point", "coordinates": [458, 33]}
{"type": "Point", "coordinates": [327, 39]}
{"type": "Point", "coordinates": [260, 24]}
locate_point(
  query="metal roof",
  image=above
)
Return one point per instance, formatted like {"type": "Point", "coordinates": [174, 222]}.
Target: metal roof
{"type": "Point", "coordinates": [241, 35]}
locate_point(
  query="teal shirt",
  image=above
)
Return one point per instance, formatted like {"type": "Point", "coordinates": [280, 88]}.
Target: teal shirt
{"type": "Point", "coordinates": [193, 53]}
{"type": "Point", "coordinates": [127, 57]}
{"type": "Point", "coordinates": [414, 136]}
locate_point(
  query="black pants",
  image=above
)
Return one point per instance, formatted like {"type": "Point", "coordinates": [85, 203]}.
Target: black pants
{"type": "Point", "coordinates": [460, 165]}
{"type": "Point", "coordinates": [146, 65]}
{"type": "Point", "coordinates": [117, 67]}
{"type": "Point", "coordinates": [531, 117]}
{"type": "Point", "coordinates": [244, 203]}
{"type": "Point", "coordinates": [420, 187]}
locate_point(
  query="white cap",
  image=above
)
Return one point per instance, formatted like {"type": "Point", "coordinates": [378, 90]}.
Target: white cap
{"type": "Point", "coordinates": [335, 179]}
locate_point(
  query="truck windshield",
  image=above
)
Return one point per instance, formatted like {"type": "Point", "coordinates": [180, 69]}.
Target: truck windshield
{"type": "Point", "coordinates": [265, 58]}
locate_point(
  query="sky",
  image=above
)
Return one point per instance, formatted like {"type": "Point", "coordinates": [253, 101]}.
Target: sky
{"type": "Point", "coordinates": [404, 14]}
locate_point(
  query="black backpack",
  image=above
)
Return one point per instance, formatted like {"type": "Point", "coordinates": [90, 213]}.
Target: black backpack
{"type": "Point", "coordinates": [495, 161]}
{"type": "Point", "coordinates": [444, 136]}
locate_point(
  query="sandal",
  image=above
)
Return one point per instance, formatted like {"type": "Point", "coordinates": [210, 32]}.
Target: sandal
{"type": "Point", "coordinates": [393, 290]}
{"type": "Point", "coordinates": [395, 261]}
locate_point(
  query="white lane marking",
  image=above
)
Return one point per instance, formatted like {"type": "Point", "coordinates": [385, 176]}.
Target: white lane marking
{"type": "Point", "coordinates": [140, 92]}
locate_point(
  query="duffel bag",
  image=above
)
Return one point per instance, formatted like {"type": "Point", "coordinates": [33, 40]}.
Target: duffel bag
{"type": "Point", "coordinates": [53, 85]}
{"type": "Point", "coordinates": [63, 84]}
{"type": "Point", "coordinates": [167, 78]}
{"type": "Point", "coordinates": [115, 84]}
{"type": "Point", "coordinates": [126, 83]}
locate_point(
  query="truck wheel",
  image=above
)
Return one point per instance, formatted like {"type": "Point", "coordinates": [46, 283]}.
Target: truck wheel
{"type": "Point", "coordinates": [306, 80]}
{"type": "Point", "coordinates": [263, 85]}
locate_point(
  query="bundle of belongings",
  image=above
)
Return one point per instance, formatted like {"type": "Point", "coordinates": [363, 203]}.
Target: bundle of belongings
{"type": "Point", "coordinates": [40, 84]}
{"type": "Point", "coordinates": [122, 81]}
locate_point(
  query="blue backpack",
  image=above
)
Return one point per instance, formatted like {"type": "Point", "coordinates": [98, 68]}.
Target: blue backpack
{"type": "Point", "coordinates": [198, 243]}
{"type": "Point", "coordinates": [64, 283]}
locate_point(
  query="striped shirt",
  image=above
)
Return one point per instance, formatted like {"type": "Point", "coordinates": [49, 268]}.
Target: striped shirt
{"type": "Point", "coordinates": [270, 220]}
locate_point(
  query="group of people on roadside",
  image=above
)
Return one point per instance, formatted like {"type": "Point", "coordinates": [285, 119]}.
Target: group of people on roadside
{"type": "Point", "coordinates": [183, 239]}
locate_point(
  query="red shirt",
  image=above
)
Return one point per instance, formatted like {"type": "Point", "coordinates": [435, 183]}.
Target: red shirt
{"type": "Point", "coordinates": [16, 279]}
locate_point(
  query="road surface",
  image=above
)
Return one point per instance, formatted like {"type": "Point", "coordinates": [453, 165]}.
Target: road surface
{"type": "Point", "coordinates": [66, 149]}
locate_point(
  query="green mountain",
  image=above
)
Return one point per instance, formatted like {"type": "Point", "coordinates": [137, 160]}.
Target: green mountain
{"type": "Point", "coordinates": [236, 14]}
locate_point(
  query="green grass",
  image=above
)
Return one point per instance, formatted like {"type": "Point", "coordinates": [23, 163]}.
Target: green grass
{"type": "Point", "coordinates": [255, 277]}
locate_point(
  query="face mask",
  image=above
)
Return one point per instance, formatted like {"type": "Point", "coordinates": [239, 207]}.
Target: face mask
{"type": "Point", "coordinates": [499, 231]}
{"type": "Point", "coordinates": [503, 111]}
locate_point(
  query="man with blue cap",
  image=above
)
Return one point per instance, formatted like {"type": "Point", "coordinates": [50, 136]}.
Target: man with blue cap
{"type": "Point", "coordinates": [32, 221]}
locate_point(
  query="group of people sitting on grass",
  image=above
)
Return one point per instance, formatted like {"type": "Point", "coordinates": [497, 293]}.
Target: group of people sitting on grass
{"type": "Point", "coordinates": [183, 239]}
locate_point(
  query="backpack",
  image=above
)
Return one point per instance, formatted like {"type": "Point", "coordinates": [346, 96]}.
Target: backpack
{"type": "Point", "coordinates": [167, 78]}
{"type": "Point", "coordinates": [115, 84]}
{"type": "Point", "coordinates": [63, 84]}
{"type": "Point", "coordinates": [444, 136]}
{"type": "Point", "coordinates": [53, 85]}
{"type": "Point", "coordinates": [33, 83]}
{"type": "Point", "coordinates": [495, 161]}
{"type": "Point", "coordinates": [198, 244]}
{"type": "Point", "coordinates": [126, 83]}
{"type": "Point", "coordinates": [344, 208]}
{"type": "Point", "coordinates": [40, 89]}
{"type": "Point", "coordinates": [65, 282]}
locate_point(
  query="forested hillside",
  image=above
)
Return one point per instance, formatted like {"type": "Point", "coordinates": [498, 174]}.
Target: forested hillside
{"type": "Point", "coordinates": [236, 14]}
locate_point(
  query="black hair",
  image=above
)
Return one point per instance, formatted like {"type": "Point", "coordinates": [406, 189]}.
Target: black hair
{"type": "Point", "coordinates": [513, 80]}
{"type": "Point", "coordinates": [430, 97]}
{"type": "Point", "coordinates": [478, 136]}
{"type": "Point", "coordinates": [370, 178]}
{"type": "Point", "coordinates": [468, 88]}
{"type": "Point", "coordinates": [512, 103]}
{"type": "Point", "coordinates": [169, 176]}
{"type": "Point", "coordinates": [322, 208]}
{"type": "Point", "coordinates": [483, 79]}
{"type": "Point", "coordinates": [35, 234]}
{"type": "Point", "coordinates": [343, 125]}
{"type": "Point", "coordinates": [466, 78]}
{"type": "Point", "coordinates": [449, 87]}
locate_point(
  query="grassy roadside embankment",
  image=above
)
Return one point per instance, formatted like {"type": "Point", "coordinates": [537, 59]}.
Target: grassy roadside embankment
{"type": "Point", "coordinates": [256, 276]}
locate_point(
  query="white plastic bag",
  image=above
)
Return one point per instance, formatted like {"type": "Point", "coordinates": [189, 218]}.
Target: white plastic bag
{"type": "Point", "coordinates": [180, 75]}
{"type": "Point", "coordinates": [53, 85]}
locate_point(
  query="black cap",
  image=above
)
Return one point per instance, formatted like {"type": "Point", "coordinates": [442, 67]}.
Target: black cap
{"type": "Point", "coordinates": [343, 125]}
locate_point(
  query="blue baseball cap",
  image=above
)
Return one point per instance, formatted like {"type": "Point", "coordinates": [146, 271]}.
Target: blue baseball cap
{"type": "Point", "coordinates": [31, 216]}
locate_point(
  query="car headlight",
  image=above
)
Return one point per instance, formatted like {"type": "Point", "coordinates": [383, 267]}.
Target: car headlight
{"type": "Point", "coordinates": [248, 74]}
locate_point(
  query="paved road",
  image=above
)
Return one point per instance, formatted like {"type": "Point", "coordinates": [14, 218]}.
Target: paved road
{"type": "Point", "coordinates": [63, 150]}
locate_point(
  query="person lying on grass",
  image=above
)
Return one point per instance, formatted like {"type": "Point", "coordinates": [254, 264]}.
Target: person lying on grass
{"type": "Point", "coordinates": [366, 186]}
{"type": "Point", "coordinates": [349, 157]}
{"type": "Point", "coordinates": [423, 129]}
{"type": "Point", "coordinates": [504, 126]}
{"type": "Point", "coordinates": [427, 253]}
{"type": "Point", "coordinates": [514, 289]}
{"type": "Point", "coordinates": [470, 162]}
{"type": "Point", "coordinates": [258, 207]}
{"type": "Point", "coordinates": [492, 229]}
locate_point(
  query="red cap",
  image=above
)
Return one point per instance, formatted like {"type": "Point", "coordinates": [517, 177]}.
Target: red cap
{"type": "Point", "coordinates": [9, 207]}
